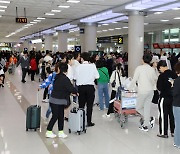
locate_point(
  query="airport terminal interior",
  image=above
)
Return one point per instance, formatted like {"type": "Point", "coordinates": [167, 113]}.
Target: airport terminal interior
{"type": "Point", "coordinates": [113, 31]}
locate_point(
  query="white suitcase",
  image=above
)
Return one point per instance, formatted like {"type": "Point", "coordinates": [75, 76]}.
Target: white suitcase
{"type": "Point", "coordinates": [77, 121]}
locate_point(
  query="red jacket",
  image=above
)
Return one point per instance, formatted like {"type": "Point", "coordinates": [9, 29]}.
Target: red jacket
{"type": "Point", "coordinates": [33, 64]}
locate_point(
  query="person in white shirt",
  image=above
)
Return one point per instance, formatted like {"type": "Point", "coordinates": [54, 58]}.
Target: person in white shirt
{"type": "Point", "coordinates": [145, 77]}
{"type": "Point", "coordinates": [69, 61]}
{"type": "Point", "coordinates": [48, 57]}
{"type": "Point", "coordinates": [85, 75]}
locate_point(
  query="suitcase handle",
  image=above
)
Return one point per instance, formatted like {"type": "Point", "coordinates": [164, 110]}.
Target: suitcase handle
{"type": "Point", "coordinates": [37, 103]}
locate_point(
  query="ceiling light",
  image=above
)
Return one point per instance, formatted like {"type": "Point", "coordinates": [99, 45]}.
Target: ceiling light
{"type": "Point", "coordinates": [55, 10]}
{"type": "Point", "coordinates": [100, 17]}
{"type": "Point", "coordinates": [104, 30]}
{"type": "Point", "coordinates": [33, 22]}
{"type": "Point", "coordinates": [39, 18]}
{"type": "Point", "coordinates": [73, 1]}
{"type": "Point", "coordinates": [28, 25]}
{"type": "Point", "coordinates": [158, 12]}
{"type": "Point", "coordinates": [0, 16]}
{"type": "Point", "coordinates": [37, 41]}
{"type": "Point", "coordinates": [150, 33]}
{"type": "Point", "coordinates": [118, 28]}
{"type": "Point", "coordinates": [164, 20]}
{"type": "Point", "coordinates": [65, 27]}
{"type": "Point", "coordinates": [111, 29]}
{"type": "Point", "coordinates": [146, 23]}
{"type": "Point", "coordinates": [125, 27]}
{"type": "Point", "coordinates": [99, 31]}
{"type": "Point", "coordinates": [49, 14]}
{"type": "Point", "coordinates": [64, 6]}
{"type": "Point", "coordinates": [6, 2]}
{"type": "Point", "coordinates": [115, 19]}
{"type": "Point", "coordinates": [99, 25]}
{"type": "Point", "coordinates": [146, 4]}
{"type": "Point", "coordinates": [167, 7]}
{"type": "Point", "coordinates": [176, 8]}
{"type": "Point", "coordinates": [48, 31]}
{"type": "Point", "coordinates": [105, 24]}
{"type": "Point", "coordinates": [115, 22]}
{"type": "Point", "coordinates": [2, 10]}
{"type": "Point", "coordinates": [3, 6]}
{"type": "Point", "coordinates": [177, 18]}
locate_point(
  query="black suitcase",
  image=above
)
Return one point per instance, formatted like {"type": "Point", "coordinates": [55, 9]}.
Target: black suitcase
{"type": "Point", "coordinates": [33, 116]}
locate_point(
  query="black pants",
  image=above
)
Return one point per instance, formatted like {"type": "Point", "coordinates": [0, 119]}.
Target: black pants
{"type": "Point", "coordinates": [57, 114]}
{"type": "Point", "coordinates": [24, 71]}
{"type": "Point", "coordinates": [3, 77]}
{"type": "Point", "coordinates": [86, 97]}
{"type": "Point", "coordinates": [111, 105]}
{"type": "Point", "coordinates": [32, 75]}
{"type": "Point", "coordinates": [166, 112]}
{"type": "Point", "coordinates": [45, 93]}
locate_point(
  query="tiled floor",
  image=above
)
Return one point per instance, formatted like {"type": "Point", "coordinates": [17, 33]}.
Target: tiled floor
{"type": "Point", "coordinates": [106, 137]}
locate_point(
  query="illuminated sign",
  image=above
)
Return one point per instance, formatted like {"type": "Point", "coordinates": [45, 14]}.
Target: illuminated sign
{"type": "Point", "coordinates": [5, 44]}
{"type": "Point", "coordinates": [111, 39]}
{"type": "Point", "coordinates": [120, 40]}
{"type": "Point", "coordinates": [21, 20]}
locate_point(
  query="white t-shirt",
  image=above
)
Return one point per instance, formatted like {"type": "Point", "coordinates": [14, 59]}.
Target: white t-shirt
{"type": "Point", "coordinates": [70, 73]}
{"type": "Point", "coordinates": [1, 72]}
{"type": "Point", "coordinates": [48, 58]}
{"type": "Point", "coordinates": [86, 74]}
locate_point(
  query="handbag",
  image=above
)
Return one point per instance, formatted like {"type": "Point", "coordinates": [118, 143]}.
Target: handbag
{"type": "Point", "coordinates": [155, 99]}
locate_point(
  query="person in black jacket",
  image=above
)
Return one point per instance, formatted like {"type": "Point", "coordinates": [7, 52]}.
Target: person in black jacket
{"type": "Point", "coordinates": [62, 88]}
{"type": "Point", "coordinates": [176, 106]}
{"type": "Point", "coordinates": [166, 99]}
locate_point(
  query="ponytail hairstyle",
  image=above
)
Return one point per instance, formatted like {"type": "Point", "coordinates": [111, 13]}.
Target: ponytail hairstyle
{"type": "Point", "coordinates": [120, 68]}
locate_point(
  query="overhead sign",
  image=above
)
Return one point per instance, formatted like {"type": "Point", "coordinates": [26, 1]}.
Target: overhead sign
{"type": "Point", "coordinates": [5, 44]}
{"type": "Point", "coordinates": [111, 39]}
{"type": "Point", "coordinates": [77, 49]}
{"type": "Point", "coordinates": [165, 45]}
{"type": "Point", "coordinates": [21, 20]}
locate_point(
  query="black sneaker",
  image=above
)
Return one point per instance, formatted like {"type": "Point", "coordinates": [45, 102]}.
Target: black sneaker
{"type": "Point", "coordinates": [152, 122]}
{"type": "Point", "coordinates": [90, 124]}
{"type": "Point", "coordinates": [162, 136]}
{"type": "Point", "coordinates": [144, 128]}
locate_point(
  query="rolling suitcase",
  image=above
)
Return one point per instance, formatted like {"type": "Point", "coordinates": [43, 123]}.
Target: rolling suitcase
{"type": "Point", "coordinates": [33, 116]}
{"type": "Point", "coordinates": [77, 121]}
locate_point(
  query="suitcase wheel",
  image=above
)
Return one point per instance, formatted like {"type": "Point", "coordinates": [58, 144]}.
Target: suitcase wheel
{"type": "Point", "coordinates": [84, 131]}
{"type": "Point", "coordinates": [122, 125]}
{"type": "Point", "coordinates": [35, 129]}
{"type": "Point", "coordinates": [79, 133]}
{"type": "Point", "coordinates": [26, 129]}
{"type": "Point", "coordinates": [69, 131]}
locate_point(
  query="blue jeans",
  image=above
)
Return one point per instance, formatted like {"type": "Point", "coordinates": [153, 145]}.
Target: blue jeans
{"type": "Point", "coordinates": [103, 89]}
{"type": "Point", "coordinates": [48, 112]}
{"type": "Point", "coordinates": [176, 111]}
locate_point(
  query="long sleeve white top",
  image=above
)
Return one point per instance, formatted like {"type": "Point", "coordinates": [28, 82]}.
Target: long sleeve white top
{"type": "Point", "coordinates": [145, 77]}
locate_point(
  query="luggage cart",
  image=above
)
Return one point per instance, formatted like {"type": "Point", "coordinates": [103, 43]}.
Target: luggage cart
{"type": "Point", "coordinates": [124, 107]}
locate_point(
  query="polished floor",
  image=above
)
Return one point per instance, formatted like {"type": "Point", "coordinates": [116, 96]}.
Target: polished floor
{"type": "Point", "coordinates": [106, 137]}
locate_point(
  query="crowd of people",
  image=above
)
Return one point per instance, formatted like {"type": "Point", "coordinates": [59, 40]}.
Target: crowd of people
{"type": "Point", "coordinates": [72, 77]}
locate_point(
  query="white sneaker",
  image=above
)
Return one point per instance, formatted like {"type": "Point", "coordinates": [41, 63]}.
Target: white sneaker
{"type": "Point", "coordinates": [50, 134]}
{"type": "Point", "coordinates": [45, 100]}
{"type": "Point", "coordinates": [106, 116]}
{"type": "Point", "coordinates": [62, 135]}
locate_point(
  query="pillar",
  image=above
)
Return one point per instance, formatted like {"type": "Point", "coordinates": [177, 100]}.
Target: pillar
{"type": "Point", "coordinates": [48, 43]}
{"type": "Point", "coordinates": [135, 41]}
{"type": "Point", "coordinates": [62, 41]}
{"type": "Point", "coordinates": [90, 37]}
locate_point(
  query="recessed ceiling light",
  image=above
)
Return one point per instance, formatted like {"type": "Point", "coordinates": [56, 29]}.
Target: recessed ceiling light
{"type": "Point", "coordinates": [125, 27]}
{"type": "Point", "coordinates": [64, 6]}
{"type": "Point", "coordinates": [105, 24]}
{"type": "Point", "coordinates": [164, 20]}
{"type": "Point", "coordinates": [3, 6]}
{"type": "Point", "coordinates": [99, 25]}
{"type": "Point", "coordinates": [115, 22]}
{"type": "Point", "coordinates": [158, 12]}
{"type": "Point", "coordinates": [99, 31]}
{"type": "Point", "coordinates": [146, 23]}
{"type": "Point", "coordinates": [118, 28]}
{"type": "Point", "coordinates": [176, 8]}
{"type": "Point", "coordinates": [104, 30]}
{"type": "Point", "coordinates": [55, 10]}
{"type": "Point", "coordinates": [49, 14]}
{"type": "Point", "coordinates": [177, 18]}
{"type": "Point", "coordinates": [33, 22]}
{"type": "Point", "coordinates": [150, 33]}
{"type": "Point", "coordinates": [2, 10]}
{"type": "Point", "coordinates": [73, 1]}
{"type": "Point", "coordinates": [111, 29]}
{"type": "Point", "coordinates": [6, 2]}
{"type": "Point", "coordinates": [39, 18]}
